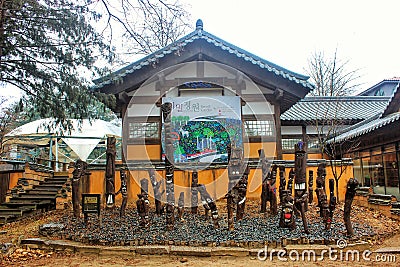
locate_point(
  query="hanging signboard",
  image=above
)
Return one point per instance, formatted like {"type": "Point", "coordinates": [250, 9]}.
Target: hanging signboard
{"type": "Point", "coordinates": [203, 127]}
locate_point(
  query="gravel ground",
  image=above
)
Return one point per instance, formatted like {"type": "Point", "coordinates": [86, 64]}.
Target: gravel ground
{"type": "Point", "coordinates": [254, 226]}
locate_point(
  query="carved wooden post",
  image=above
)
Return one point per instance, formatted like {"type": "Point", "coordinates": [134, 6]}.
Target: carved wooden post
{"type": "Point", "coordinates": [282, 182]}
{"type": "Point", "coordinates": [194, 192]}
{"type": "Point", "coordinates": [264, 188]}
{"type": "Point", "coordinates": [169, 166]}
{"type": "Point", "coordinates": [290, 181]}
{"type": "Point", "coordinates": [235, 173]}
{"type": "Point", "coordinates": [332, 202]}
{"type": "Point", "coordinates": [143, 203]}
{"type": "Point", "coordinates": [207, 200]}
{"type": "Point", "coordinates": [321, 194]}
{"type": "Point", "coordinates": [273, 202]}
{"type": "Point", "coordinates": [352, 184]}
{"type": "Point", "coordinates": [110, 172]}
{"type": "Point", "coordinates": [156, 190]}
{"type": "Point", "coordinates": [242, 190]}
{"type": "Point", "coordinates": [79, 171]}
{"type": "Point", "coordinates": [310, 186]}
{"type": "Point", "coordinates": [300, 187]}
{"type": "Point", "coordinates": [181, 205]}
{"type": "Point", "coordinates": [124, 192]}
{"type": "Point", "coordinates": [287, 215]}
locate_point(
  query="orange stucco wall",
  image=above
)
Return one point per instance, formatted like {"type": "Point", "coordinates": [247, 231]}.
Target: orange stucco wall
{"type": "Point", "coordinates": [216, 182]}
{"type": "Point", "coordinates": [153, 152]}
{"type": "Point", "coordinates": [141, 152]}
{"type": "Point", "coordinates": [14, 176]}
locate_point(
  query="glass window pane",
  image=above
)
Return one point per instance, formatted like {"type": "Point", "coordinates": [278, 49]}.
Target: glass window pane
{"type": "Point", "coordinates": [288, 143]}
{"type": "Point", "coordinates": [143, 130]}
{"type": "Point", "coordinates": [377, 171]}
{"type": "Point", "coordinates": [366, 171]}
{"type": "Point", "coordinates": [357, 170]}
{"type": "Point", "coordinates": [391, 170]}
{"type": "Point", "coordinates": [259, 128]}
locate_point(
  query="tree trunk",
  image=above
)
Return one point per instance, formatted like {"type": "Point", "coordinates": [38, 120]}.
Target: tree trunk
{"type": "Point", "coordinates": [337, 190]}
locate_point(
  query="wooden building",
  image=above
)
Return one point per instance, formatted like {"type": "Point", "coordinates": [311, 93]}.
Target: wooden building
{"type": "Point", "coordinates": [203, 65]}
{"type": "Point", "coordinates": [377, 154]}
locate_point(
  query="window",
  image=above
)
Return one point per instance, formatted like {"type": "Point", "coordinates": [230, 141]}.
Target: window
{"type": "Point", "coordinates": [259, 128]}
{"type": "Point", "coordinates": [143, 130]}
{"type": "Point", "coordinates": [313, 144]}
{"type": "Point", "coordinates": [288, 143]}
{"type": "Point", "coordinates": [379, 92]}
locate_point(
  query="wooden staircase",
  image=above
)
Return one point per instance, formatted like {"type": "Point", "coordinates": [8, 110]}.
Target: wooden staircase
{"type": "Point", "coordinates": [33, 196]}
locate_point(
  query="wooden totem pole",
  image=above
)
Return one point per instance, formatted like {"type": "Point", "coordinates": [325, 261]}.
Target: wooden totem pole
{"type": "Point", "coordinates": [79, 171]}
{"type": "Point", "coordinates": [352, 185]}
{"type": "Point", "coordinates": [310, 186]}
{"type": "Point", "coordinates": [332, 203]}
{"type": "Point", "coordinates": [110, 172]}
{"type": "Point", "coordinates": [166, 109]}
{"type": "Point", "coordinates": [236, 170]}
{"type": "Point", "coordinates": [282, 182]}
{"type": "Point", "coordinates": [194, 193]}
{"type": "Point", "coordinates": [143, 203]}
{"type": "Point", "coordinates": [124, 192]}
{"type": "Point", "coordinates": [208, 204]}
{"type": "Point", "coordinates": [181, 205]}
{"type": "Point", "coordinates": [268, 192]}
{"type": "Point", "coordinates": [242, 190]}
{"type": "Point", "coordinates": [300, 186]}
{"type": "Point", "coordinates": [321, 194]}
{"type": "Point", "coordinates": [157, 191]}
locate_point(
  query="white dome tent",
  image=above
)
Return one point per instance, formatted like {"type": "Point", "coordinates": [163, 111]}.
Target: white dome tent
{"type": "Point", "coordinates": [79, 142]}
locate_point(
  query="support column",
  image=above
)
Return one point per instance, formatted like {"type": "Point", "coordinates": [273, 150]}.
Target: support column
{"type": "Point", "coordinates": [278, 95]}
{"type": "Point", "coordinates": [277, 116]}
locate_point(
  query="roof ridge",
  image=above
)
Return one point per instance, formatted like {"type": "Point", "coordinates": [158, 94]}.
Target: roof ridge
{"type": "Point", "coordinates": [391, 97]}
{"type": "Point", "coordinates": [199, 33]}
{"type": "Point", "coordinates": [345, 98]}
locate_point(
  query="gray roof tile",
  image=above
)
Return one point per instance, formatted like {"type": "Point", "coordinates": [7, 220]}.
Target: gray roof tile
{"type": "Point", "coordinates": [365, 127]}
{"type": "Point", "coordinates": [198, 34]}
{"type": "Point", "coordinates": [340, 108]}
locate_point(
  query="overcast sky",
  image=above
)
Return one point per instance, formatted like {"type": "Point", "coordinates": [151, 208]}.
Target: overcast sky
{"type": "Point", "coordinates": [287, 32]}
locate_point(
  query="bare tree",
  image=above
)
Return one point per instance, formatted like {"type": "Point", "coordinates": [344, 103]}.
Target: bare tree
{"type": "Point", "coordinates": [138, 27]}
{"type": "Point", "coordinates": [330, 75]}
{"type": "Point", "coordinates": [9, 119]}
{"type": "Point", "coordinates": [51, 49]}
{"type": "Point", "coordinates": [332, 81]}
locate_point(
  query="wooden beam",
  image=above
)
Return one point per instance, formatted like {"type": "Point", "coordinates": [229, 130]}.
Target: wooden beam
{"type": "Point", "coordinates": [277, 116]}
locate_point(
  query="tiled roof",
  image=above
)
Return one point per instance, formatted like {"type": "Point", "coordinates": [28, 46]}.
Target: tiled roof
{"type": "Point", "coordinates": [366, 127]}
{"type": "Point", "coordinates": [340, 108]}
{"type": "Point", "coordinates": [198, 34]}
{"type": "Point", "coordinates": [387, 116]}
{"type": "Point", "coordinates": [393, 80]}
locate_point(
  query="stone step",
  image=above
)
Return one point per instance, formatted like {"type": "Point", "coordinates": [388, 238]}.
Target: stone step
{"type": "Point", "coordinates": [33, 197]}
{"type": "Point", "coordinates": [48, 186]}
{"type": "Point", "coordinates": [36, 205]}
{"type": "Point", "coordinates": [57, 179]}
{"type": "Point", "coordinates": [42, 194]}
{"type": "Point", "coordinates": [25, 207]}
{"type": "Point", "coordinates": [7, 218]}
{"type": "Point", "coordinates": [45, 188]}
{"type": "Point", "coordinates": [44, 191]}
{"type": "Point", "coordinates": [16, 212]}
{"type": "Point", "coordinates": [381, 199]}
{"type": "Point", "coordinates": [58, 174]}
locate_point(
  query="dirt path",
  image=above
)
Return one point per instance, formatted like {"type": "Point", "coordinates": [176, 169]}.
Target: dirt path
{"type": "Point", "coordinates": [29, 228]}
